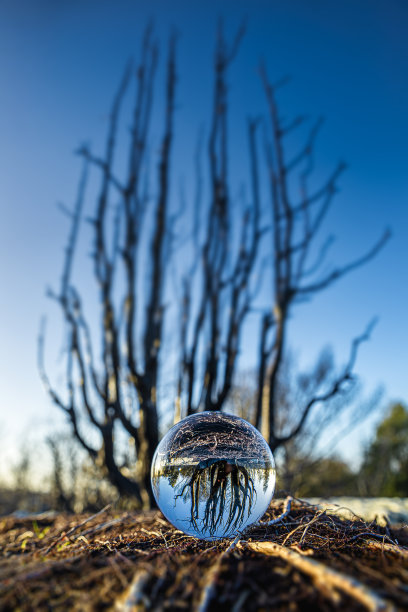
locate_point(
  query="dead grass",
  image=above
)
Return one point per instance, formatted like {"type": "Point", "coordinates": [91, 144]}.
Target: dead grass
{"type": "Point", "coordinates": [136, 561]}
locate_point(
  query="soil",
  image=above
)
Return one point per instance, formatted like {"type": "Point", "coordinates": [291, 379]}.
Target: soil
{"type": "Point", "coordinates": [311, 560]}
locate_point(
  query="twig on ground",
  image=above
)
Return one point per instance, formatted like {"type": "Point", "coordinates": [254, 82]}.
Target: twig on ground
{"type": "Point", "coordinates": [212, 574]}
{"type": "Point", "coordinates": [207, 592]}
{"type": "Point", "coordinates": [121, 576]}
{"type": "Point", "coordinates": [134, 596]}
{"type": "Point", "coordinates": [392, 548]}
{"type": "Point", "coordinates": [371, 534]}
{"type": "Point", "coordinates": [305, 528]}
{"type": "Point", "coordinates": [102, 526]}
{"type": "Point", "coordinates": [40, 573]}
{"type": "Point", "coordinates": [275, 521]}
{"type": "Point", "coordinates": [75, 528]}
{"type": "Point", "coordinates": [323, 575]}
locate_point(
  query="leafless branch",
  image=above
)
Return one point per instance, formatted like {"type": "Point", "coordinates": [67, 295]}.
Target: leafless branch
{"type": "Point", "coordinates": [336, 387]}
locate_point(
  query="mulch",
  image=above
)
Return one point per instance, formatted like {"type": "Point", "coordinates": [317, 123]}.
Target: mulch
{"type": "Point", "coordinates": [312, 560]}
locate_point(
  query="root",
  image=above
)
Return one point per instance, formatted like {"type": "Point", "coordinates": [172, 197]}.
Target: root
{"type": "Point", "coordinates": [324, 576]}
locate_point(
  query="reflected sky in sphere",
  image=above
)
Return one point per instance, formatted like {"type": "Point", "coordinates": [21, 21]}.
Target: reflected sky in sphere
{"type": "Point", "coordinates": [213, 475]}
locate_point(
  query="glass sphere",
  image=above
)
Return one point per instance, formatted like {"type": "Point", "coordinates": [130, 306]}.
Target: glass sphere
{"type": "Point", "coordinates": [213, 475]}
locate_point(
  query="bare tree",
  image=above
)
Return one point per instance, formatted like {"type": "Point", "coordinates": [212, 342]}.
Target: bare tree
{"type": "Point", "coordinates": [296, 275]}
{"type": "Point", "coordinates": [217, 280]}
{"type": "Point", "coordinates": [63, 495]}
{"type": "Point", "coordinates": [101, 395]}
{"type": "Point", "coordinates": [226, 290]}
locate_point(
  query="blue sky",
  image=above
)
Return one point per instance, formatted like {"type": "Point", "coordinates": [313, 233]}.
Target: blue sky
{"type": "Point", "coordinates": [59, 66]}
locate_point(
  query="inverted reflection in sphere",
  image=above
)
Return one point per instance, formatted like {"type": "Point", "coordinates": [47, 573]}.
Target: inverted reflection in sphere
{"type": "Point", "coordinates": [213, 475]}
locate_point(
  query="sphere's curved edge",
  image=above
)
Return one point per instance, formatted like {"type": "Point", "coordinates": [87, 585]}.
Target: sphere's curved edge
{"type": "Point", "coordinates": [213, 476]}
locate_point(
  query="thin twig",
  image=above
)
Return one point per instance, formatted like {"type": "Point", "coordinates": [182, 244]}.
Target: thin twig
{"type": "Point", "coordinates": [305, 528]}
{"type": "Point", "coordinates": [207, 592]}
{"type": "Point", "coordinates": [75, 528]}
{"type": "Point", "coordinates": [134, 595]}
{"type": "Point", "coordinates": [212, 574]}
{"type": "Point", "coordinates": [392, 548]}
{"type": "Point", "coordinates": [278, 519]}
{"type": "Point", "coordinates": [372, 535]}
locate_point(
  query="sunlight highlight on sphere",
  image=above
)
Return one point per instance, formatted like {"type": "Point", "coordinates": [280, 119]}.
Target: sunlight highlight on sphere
{"type": "Point", "coordinates": [213, 475]}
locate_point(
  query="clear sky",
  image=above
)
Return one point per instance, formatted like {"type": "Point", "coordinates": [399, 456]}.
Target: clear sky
{"type": "Point", "coordinates": [59, 66]}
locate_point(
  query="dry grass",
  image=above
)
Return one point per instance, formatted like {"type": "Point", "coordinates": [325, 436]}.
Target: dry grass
{"type": "Point", "coordinates": [136, 561]}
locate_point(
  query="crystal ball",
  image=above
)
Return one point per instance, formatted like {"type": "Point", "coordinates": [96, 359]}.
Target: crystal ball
{"type": "Point", "coordinates": [213, 475]}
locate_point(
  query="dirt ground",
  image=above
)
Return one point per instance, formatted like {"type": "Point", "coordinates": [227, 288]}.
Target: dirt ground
{"type": "Point", "coordinates": [311, 560]}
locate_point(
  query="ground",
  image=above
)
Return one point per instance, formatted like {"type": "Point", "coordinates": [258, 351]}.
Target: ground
{"type": "Point", "coordinates": [312, 560]}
